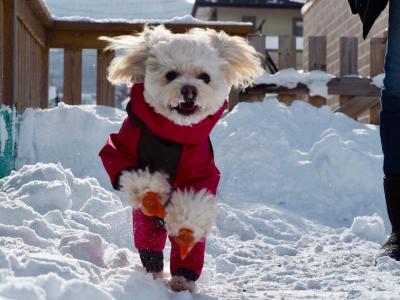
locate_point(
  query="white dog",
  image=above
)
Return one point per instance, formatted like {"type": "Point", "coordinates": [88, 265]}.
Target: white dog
{"type": "Point", "coordinates": [162, 157]}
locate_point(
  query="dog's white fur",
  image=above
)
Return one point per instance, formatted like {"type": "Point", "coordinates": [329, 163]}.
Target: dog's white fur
{"type": "Point", "coordinates": [137, 183]}
{"type": "Point", "coordinates": [150, 55]}
{"type": "Point", "coordinates": [193, 210]}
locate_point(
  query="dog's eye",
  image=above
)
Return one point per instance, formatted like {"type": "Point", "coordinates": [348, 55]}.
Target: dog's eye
{"type": "Point", "coordinates": [205, 77]}
{"type": "Point", "coordinates": [171, 75]}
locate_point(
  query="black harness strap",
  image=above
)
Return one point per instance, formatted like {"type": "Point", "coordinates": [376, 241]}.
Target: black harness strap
{"type": "Point", "coordinates": [154, 152]}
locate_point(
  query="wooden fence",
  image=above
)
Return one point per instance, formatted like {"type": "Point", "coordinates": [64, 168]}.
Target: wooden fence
{"type": "Point", "coordinates": [358, 97]}
{"type": "Point", "coordinates": [27, 32]}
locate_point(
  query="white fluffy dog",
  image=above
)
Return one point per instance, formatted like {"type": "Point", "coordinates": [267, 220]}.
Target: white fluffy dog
{"type": "Point", "coordinates": [210, 61]}
{"type": "Point", "coordinates": [162, 157]}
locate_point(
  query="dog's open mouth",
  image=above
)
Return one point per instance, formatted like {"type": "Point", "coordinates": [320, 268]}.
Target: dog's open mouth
{"type": "Point", "coordinates": [186, 108]}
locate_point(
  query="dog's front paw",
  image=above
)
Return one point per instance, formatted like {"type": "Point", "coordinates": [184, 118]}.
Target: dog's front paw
{"type": "Point", "coordinates": [179, 284]}
{"type": "Point", "coordinates": [147, 191]}
{"type": "Point", "coordinates": [190, 216]}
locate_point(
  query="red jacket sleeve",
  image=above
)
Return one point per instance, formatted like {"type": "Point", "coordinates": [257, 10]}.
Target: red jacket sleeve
{"type": "Point", "coordinates": [197, 169]}
{"type": "Point", "coordinates": [120, 151]}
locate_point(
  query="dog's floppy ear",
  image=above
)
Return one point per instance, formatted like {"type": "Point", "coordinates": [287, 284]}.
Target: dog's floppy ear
{"type": "Point", "coordinates": [130, 66]}
{"type": "Point", "coordinates": [244, 63]}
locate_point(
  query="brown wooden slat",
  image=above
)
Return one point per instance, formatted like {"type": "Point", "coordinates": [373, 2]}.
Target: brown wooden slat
{"type": "Point", "coordinates": [317, 57]}
{"type": "Point", "coordinates": [259, 43]}
{"type": "Point", "coordinates": [287, 52]}
{"type": "Point", "coordinates": [44, 75]}
{"type": "Point", "coordinates": [348, 56]}
{"type": "Point", "coordinates": [348, 61]}
{"type": "Point", "coordinates": [346, 86]}
{"type": "Point", "coordinates": [317, 60]}
{"type": "Point", "coordinates": [20, 67]}
{"type": "Point", "coordinates": [8, 52]}
{"type": "Point", "coordinates": [72, 76]}
{"type": "Point", "coordinates": [377, 61]}
{"type": "Point", "coordinates": [352, 87]}
{"type": "Point", "coordinates": [233, 98]}
{"type": "Point", "coordinates": [357, 105]}
{"type": "Point", "coordinates": [32, 22]}
{"type": "Point", "coordinates": [40, 10]}
{"type": "Point", "coordinates": [105, 90]}
{"type": "Point", "coordinates": [84, 35]}
{"type": "Point", "coordinates": [26, 70]}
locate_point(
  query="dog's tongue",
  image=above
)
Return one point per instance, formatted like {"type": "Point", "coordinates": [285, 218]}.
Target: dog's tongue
{"type": "Point", "coordinates": [187, 106]}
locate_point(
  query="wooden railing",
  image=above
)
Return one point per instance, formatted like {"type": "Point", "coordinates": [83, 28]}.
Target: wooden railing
{"type": "Point", "coordinates": [358, 97]}
{"type": "Point", "coordinates": [27, 32]}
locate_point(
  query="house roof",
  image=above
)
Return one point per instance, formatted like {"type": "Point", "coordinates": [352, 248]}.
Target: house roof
{"type": "Point", "coordinates": [246, 3]}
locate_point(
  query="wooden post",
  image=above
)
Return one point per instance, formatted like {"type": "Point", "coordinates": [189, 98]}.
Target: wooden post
{"type": "Point", "coordinates": [348, 56]}
{"type": "Point", "coordinates": [7, 52]}
{"type": "Point", "coordinates": [44, 93]}
{"type": "Point", "coordinates": [317, 53]}
{"type": "Point", "coordinates": [105, 90]}
{"type": "Point", "coordinates": [377, 61]}
{"type": "Point", "coordinates": [348, 61]}
{"type": "Point", "coordinates": [287, 51]}
{"type": "Point", "coordinates": [73, 76]}
{"type": "Point", "coordinates": [317, 58]}
{"type": "Point", "coordinates": [287, 59]}
{"type": "Point", "coordinates": [233, 98]}
{"type": "Point", "coordinates": [259, 43]}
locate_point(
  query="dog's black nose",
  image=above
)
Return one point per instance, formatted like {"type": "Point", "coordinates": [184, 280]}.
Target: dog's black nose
{"type": "Point", "coordinates": [189, 93]}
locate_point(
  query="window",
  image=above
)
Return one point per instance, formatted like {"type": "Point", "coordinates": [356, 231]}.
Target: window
{"type": "Point", "coordinates": [252, 19]}
{"type": "Point", "coordinates": [298, 26]}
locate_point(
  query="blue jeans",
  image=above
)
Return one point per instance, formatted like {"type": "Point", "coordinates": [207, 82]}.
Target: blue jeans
{"type": "Point", "coordinates": [390, 113]}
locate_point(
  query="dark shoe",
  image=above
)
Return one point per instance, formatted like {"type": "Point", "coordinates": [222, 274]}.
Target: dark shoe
{"type": "Point", "coordinates": [392, 247]}
{"type": "Point", "coordinates": [392, 194]}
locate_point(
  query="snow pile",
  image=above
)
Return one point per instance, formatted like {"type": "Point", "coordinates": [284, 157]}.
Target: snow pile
{"type": "Point", "coordinates": [67, 236]}
{"type": "Point", "coordinates": [294, 184]}
{"type": "Point", "coordinates": [367, 227]}
{"type": "Point", "coordinates": [316, 81]}
{"type": "Point", "coordinates": [321, 165]}
{"type": "Point", "coordinates": [71, 135]}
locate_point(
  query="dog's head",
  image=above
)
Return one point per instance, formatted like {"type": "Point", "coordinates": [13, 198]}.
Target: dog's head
{"type": "Point", "coordinates": [188, 76]}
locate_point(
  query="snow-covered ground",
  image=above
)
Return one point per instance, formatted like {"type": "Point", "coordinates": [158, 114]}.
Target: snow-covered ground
{"type": "Point", "coordinates": [301, 211]}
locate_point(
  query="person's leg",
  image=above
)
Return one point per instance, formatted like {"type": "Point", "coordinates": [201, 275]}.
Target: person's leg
{"type": "Point", "coordinates": [150, 238]}
{"type": "Point", "coordinates": [390, 114]}
{"type": "Point", "coordinates": [390, 130]}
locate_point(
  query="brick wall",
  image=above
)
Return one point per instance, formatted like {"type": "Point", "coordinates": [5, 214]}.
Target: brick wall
{"type": "Point", "coordinates": [333, 19]}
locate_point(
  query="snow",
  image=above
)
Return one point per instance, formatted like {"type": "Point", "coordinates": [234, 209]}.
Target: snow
{"type": "Point", "coordinates": [61, 135]}
{"type": "Point", "coordinates": [3, 134]}
{"type": "Point", "coordinates": [378, 80]}
{"type": "Point", "coordinates": [301, 211]}
{"type": "Point", "coordinates": [316, 81]}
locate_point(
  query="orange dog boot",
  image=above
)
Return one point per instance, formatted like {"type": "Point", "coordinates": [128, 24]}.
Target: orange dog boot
{"type": "Point", "coordinates": [186, 241]}
{"type": "Point", "coordinates": [151, 205]}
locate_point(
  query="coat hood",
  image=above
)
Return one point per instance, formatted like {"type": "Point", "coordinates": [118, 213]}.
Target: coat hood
{"type": "Point", "coordinates": [167, 129]}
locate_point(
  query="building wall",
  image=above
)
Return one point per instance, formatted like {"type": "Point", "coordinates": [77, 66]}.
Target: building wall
{"type": "Point", "coordinates": [277, 21]}
{"type": "Point", "coordinates": [333, 19]}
